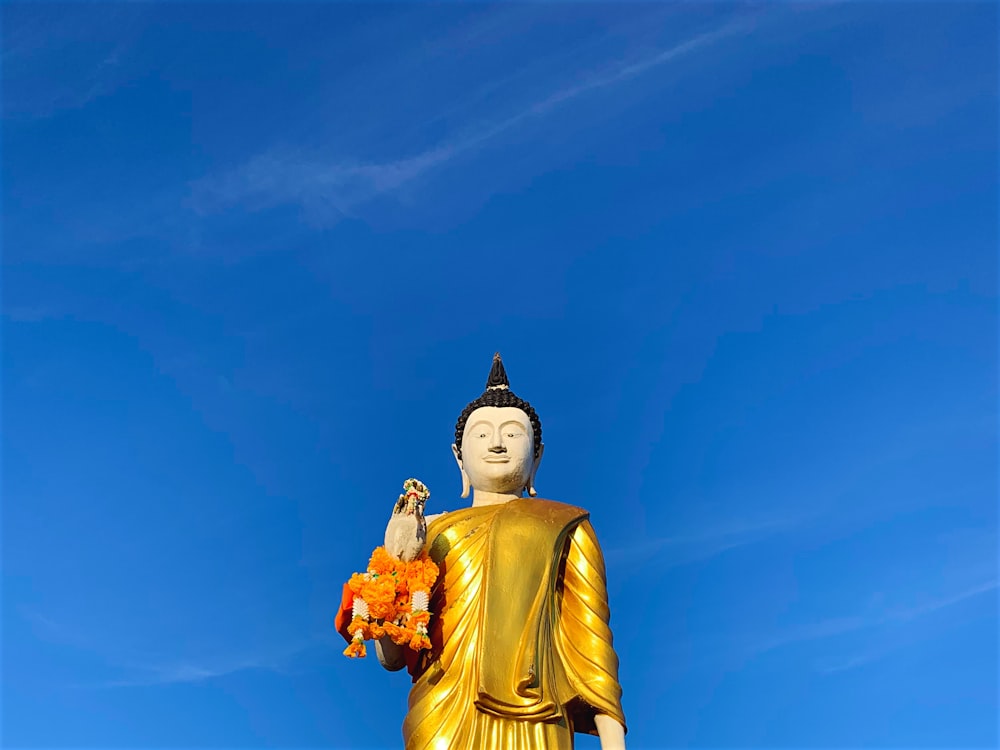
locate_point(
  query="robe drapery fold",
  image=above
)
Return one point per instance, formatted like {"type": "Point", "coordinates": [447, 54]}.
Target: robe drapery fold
{"type": "Point", "coordinates": [521, 652]}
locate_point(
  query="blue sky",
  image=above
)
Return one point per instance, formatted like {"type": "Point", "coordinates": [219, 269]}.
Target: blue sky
{"type": "Point", "coordinates": [741, 258]}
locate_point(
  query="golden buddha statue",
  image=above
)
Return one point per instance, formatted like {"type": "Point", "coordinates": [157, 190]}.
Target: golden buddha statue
{"type": "Point", "coordinates": [521, 652]}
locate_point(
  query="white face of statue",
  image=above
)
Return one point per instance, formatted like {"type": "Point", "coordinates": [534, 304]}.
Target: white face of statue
{"type": "Point", "coordinates": [498, 450]}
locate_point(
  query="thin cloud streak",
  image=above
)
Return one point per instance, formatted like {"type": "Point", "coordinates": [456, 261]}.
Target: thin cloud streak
{"type": "Point", "coordinates": [873, 655]}
{"type": "Point", "coordinates": [186, 671]}
{"type": "Point", "coordinates": [331, 191]}
{"type": "Point", "coordinates": [934, 606]}
{"type": "Point", "coordinates": [856, 661]}
{"type": "Point", "coordinates": [838, 626]}
{"type": "Point", "coordinates": [698, 545]}
{"type": "Point", "coordinates": [297, 657]}
{"type": "Point", "coordinates": [50, 630]}
{"type": "Point", "coordinates": [181, 673]}
{"type": "Point", "coordinates": [167, 670]}
{"type": "Point", "coordinates": [98, 39]}
{"type": "Point", "coordinates": [609, 78]}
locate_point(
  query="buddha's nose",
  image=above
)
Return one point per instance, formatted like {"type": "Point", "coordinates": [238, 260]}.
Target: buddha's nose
{"type": "Point", "coordinates": [497, 446]}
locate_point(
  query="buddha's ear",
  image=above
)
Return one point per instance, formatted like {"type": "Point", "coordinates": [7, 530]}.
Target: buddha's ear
{"type": "Point", "coordinates": [465, 477]}
{"type": "Point", "coordinates": [534, 470]}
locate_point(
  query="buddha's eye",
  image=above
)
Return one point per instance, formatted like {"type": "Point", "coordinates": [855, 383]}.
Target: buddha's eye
{"type": "Point", "coordinates": [482, 434]}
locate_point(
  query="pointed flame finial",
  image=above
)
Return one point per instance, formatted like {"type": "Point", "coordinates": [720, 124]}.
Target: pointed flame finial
{"type": "Point", "coordinates": [498, 376]}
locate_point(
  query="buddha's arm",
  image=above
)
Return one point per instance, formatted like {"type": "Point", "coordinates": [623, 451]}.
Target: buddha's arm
{"type": "Point", "coordinates": [389, 654]}
{"type": "Point", "coordinates": [584, 640]}
{"type": "Point", "coordinates": [611, 732]}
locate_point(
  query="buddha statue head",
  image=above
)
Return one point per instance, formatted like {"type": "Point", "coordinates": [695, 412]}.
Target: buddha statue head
{"type": "Point", "coordinates": [498, 440]}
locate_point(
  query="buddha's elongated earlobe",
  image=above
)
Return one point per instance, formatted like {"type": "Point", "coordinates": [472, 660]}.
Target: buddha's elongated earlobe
{"type": "Point", "coordinates": [465, 477]}
{"type": "Point", "coordinates": [534, 469]}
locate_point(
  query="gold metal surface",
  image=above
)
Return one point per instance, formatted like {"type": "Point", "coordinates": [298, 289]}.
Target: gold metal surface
{"type": "Point", "coordinates": [521, 651]}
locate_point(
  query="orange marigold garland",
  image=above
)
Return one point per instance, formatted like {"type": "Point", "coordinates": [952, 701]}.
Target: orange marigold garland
{"type": "Point", "coordinates": [393, 597]}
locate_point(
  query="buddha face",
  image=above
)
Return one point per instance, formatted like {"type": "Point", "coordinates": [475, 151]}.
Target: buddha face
{"type": "Point", "coordinates": [498, 450]}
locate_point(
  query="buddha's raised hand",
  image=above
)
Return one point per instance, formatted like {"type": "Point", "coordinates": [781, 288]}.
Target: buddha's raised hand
{"type": "Point", "coordinates": [406, 532]}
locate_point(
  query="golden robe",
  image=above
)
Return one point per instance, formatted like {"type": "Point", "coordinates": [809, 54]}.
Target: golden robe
{"type": "Point", "coordinates": [521, 654]}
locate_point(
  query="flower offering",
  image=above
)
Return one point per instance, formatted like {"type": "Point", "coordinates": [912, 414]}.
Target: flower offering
{"type": "Point", "coordinates": [393, 596]}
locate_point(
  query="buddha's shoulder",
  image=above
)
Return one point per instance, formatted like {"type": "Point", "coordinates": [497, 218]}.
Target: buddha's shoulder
{"type": "Point", "coordinates": [550, 509]}
{"type": "Point", "coordinates": [542, 509]}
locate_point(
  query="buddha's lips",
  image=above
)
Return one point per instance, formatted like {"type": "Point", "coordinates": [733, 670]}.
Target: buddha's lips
{"type": "Point", "coordinates": [496, 459]}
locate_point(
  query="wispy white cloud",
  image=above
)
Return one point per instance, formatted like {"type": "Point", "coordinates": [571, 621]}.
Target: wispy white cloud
{"type": "Point", "coordinates": [327, 192]}
{"type": "Point", "coordinates": [38, 40]}
{"type": "Point", "coordinates": [187, 670]}
{"type": "Point", "coordinates": [183, 672]}
{"type": "Point", "coordinates": [887, 647]}
{"type": "Point", "coordinates": [948, 601]}
{"type": "Point", "coordinates": [168, 669]}
{"type": "Point", "coordinates": [857, 660]}
{"type": "Point", "coordinates": [330, 190]}
{"type": "Point", "coordinates": [838, 626]}
{"type": "Point", "coordinates": [285, 660]}
{"type": "Point", "coordinates": [47, 629]}
{"type": "Point", "coordinates": [699, 544]}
